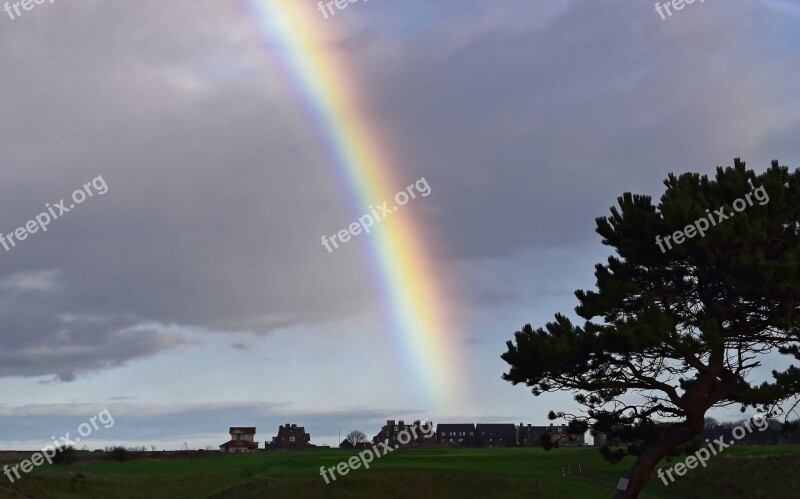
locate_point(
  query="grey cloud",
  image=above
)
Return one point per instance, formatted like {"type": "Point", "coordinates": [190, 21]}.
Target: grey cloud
{"type": "Point", "coordinates": [215, 205]}
{"type": "Point", "coordinates": [531, 125]}
{"type": "Point", "coordinates": [527, 124]}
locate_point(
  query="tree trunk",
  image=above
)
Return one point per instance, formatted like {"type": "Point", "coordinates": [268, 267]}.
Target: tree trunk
{"type": "Point", "coordinates": [641, 470]}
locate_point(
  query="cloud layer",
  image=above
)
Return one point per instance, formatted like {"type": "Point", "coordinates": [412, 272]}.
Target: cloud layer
{"type": "Point", "coordinates": [527, 120]}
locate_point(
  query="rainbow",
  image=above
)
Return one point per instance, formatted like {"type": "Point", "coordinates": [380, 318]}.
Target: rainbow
{"type": "Point", "coordinates": [322, 87]}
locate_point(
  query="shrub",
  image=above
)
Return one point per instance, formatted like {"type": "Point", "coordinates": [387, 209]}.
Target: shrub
{"type": "Point", "coordinates": [119, 453]}
{"type": "Point", "coordinates": [65, 455]}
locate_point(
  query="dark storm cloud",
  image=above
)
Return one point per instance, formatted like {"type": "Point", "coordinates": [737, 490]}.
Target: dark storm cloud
{"type": "Point", "coordinates": [38, 340]}
{"type": "Point", "coordinates": [532, 123]}
{"type": "Point", "coordinates": [527, 122]}
{"type": "Point", "coordinates": [216, 203]}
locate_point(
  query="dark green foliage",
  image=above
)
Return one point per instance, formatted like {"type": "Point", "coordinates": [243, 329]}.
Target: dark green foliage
{"type": "Point", "coordinates": [614, 455]}
{"type": "Point", "coordinates": [65, 455]}
{"type": "Point", "coordinates": [546, 440]}
{"type": "Point", "coordinates": [119, 453]}
{"type": "Point", "coordinates": [669, 335]}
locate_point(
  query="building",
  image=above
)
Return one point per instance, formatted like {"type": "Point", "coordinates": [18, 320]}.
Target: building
{"type": "Point", "coordinates": [531, 436]}
{"type": "Point", "coordinates": [415, 435]}
{"type": "Point", "coordinates": [564, 438]}
{"type": "Point", "coordinates": [389, 433]}
{"type": "Point", "coordinates": [458, 434]}
{"type": "Point", "coordinates": [290, 436]}
{"type": "Point", "coordinates": [495, 435]}
{"type": "Point", "coordinates": [601, 439]}
{"type": "Point", "coordinates": [427, 437]}
{"type": "Point", "coordinates": [242, 440]}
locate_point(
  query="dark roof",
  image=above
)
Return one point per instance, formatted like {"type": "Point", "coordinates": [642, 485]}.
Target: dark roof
{"type": "Point", "coordinates": [455, 427]}
{"type": "Point", "coordinates": [294, 428]}
{"type": "Point", "coordinates": [247, 430]}
{"type": "Point", "coordinates": [240, 443]}
{"type": "Point", "coordinates": [535, 430]}
{"type": "Point", "coordinates": [496, 427]}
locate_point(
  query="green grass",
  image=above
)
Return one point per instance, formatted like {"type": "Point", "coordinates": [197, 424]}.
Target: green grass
{"type": "Point", "coordinates": [744, 471]}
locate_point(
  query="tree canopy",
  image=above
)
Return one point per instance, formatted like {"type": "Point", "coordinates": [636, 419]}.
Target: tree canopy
{"type": "Point", "coordinates": [684, 311]}
{"type": "Point", "coordinates": [356, 437]}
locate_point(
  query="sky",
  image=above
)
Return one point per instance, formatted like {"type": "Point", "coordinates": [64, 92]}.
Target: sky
{"type": "Point", "coordinates": [193, 293]}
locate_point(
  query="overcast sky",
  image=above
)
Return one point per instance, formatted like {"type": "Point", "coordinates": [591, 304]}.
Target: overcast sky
{"type": "Point", "coordinates": [194, 294]}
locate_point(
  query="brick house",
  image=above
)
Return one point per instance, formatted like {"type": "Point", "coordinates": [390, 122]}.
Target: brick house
{"type": "Point", "coordinates": [459, 434]}
{"type": "Point", "coordinates": [530, 436]}
{"type": "Point", "coordinates": [425, 438]}
{"type": "Point", "coordinates": [601, 440]}
{"type": "Point", "coordinates": [242, 440]}
{"type": "Point", "coordinates": [391, 430]}
{"type": "Point", "coordinates": [495, 435]}
{"type": "Point", "coordinates": [290, 436]}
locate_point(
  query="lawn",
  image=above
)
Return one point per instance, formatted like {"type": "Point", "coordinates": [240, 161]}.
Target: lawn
{"type": "Point", "coordinates": [744, 471]}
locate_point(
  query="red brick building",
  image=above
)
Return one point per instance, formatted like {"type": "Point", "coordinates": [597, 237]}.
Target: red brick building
{"type": "Point", "coordinates": [242, 440]}
{"type": "Point", "coordinates": [456, 434]}
{"type": "Point", "coordinates": [290, 436]}
{"type": "Point", "coordinates": [415, 435]}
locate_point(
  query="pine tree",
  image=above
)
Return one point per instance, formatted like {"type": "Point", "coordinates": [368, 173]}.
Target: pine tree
{"type": "Point", "coordinates": [670, 334]}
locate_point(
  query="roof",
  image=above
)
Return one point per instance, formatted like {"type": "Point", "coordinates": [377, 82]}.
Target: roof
{"type": "Point", "coordinates": [455, 427]}
{"type": "Point", "coordinates": [233, 444]}
{"type": "Point", "coordinates": [247, 430]}
{"type": "Point", "coordinates": [496, 427]}
{"type": "Point", "coordinates": [535, 430]}
{"type": "Point", "coordinates": [294, 429]}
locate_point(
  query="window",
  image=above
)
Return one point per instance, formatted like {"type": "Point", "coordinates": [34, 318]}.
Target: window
{"type": "Point", "coordinates": [291, 439]}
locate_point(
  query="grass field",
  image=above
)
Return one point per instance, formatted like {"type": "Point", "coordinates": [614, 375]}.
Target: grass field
{"type": "Point", "coordinates": [744, 471]}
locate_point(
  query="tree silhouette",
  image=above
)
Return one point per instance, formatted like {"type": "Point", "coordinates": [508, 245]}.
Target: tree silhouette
{"type": "Point", "coordinates": [356, 437]}
{"type": "Point", "coordinates": [670, 334]}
